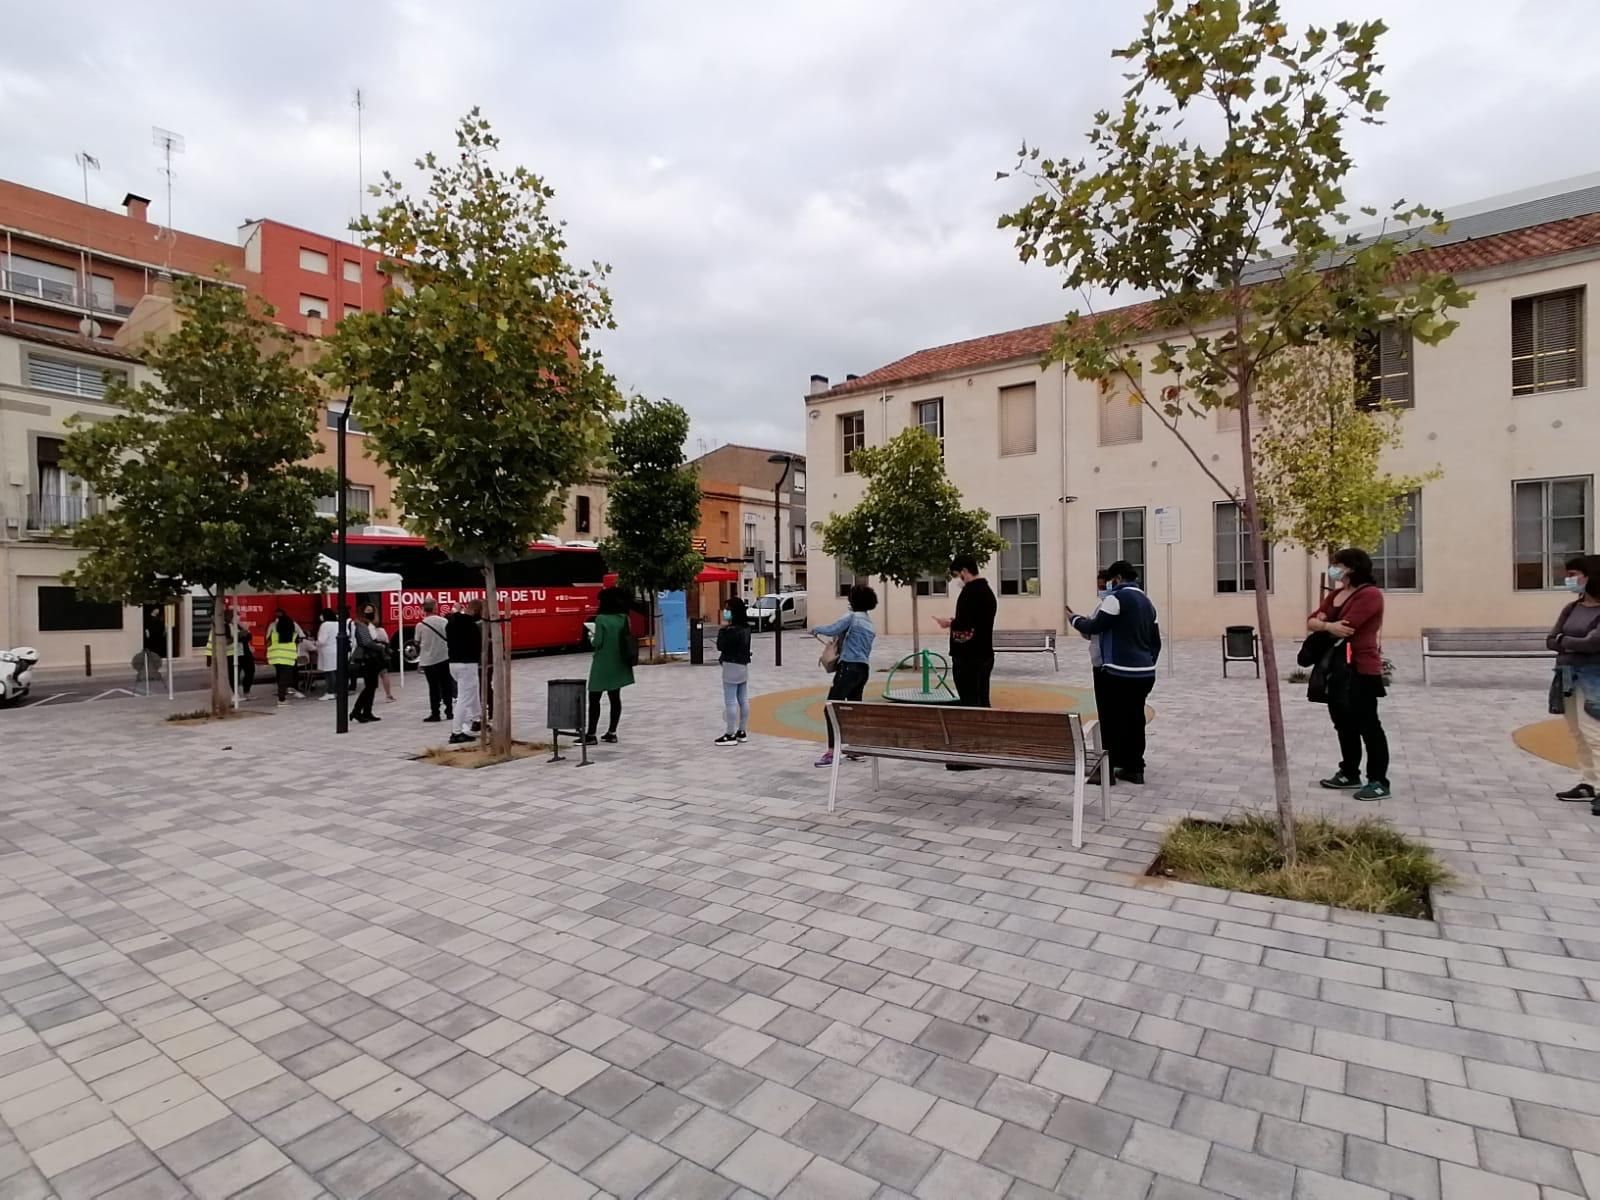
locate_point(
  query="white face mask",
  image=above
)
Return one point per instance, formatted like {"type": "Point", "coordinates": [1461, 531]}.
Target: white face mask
{"type": "Point", "coordinates": [1574, 583]}
{"type": "Point", "coordinates": [727, 617]}
{"type": "Point", "coordinates": [1335, 574]}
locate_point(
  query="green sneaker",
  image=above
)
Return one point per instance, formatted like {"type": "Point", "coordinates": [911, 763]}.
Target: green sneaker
{"type": "Point", "coordinates": [1374, 791]}
{"type": "Point", "coordinates": [1340, 782]}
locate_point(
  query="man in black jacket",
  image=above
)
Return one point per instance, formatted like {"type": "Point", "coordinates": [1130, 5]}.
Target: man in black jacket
{"type": "Point", "coordinates": [971, 633]}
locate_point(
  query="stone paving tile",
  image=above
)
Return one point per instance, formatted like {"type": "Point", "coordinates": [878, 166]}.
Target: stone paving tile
{"type": "Point", "coordinates": [684, 976]}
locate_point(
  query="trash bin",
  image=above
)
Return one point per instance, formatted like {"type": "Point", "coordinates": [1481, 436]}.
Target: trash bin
{"type": "Point", "coordinates": [1241, 641]}
{"type": "Point", "coordinates": [565, 705]}
{"type": "Point", "coordinates": [697, 642]}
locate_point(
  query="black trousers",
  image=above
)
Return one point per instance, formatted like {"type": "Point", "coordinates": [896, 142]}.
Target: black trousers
{"type": "Point", "coordinates": [972, 673]}
{"type": "Point", "coordinates": [849, 682]}
{"type": "Point", "coordinates": [247, 673]}
{"type": "Point", "coordinates": [1120, 699]}
{"type": "Point", "coordinates": [285, 677]}
{"type": "Point", "coordinates": [441, 689]}
{"type": "Point", "coordinates": [369, 673]}
{"type": "Point", "coordinates": [615, 696]}
{"type": "Point", "coordinates": [1355, 717]}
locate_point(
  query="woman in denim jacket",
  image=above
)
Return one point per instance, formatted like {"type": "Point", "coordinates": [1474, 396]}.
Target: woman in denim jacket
{"type": "Point", "coordinates": [1576, 640]}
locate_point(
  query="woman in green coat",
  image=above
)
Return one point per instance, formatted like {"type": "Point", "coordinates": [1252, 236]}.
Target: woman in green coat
{"type": "Point", "coordinates": [609, 669]}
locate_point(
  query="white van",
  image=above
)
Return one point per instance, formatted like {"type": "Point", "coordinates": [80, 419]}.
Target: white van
{"type": "Point", "coordinates": [764, 611]}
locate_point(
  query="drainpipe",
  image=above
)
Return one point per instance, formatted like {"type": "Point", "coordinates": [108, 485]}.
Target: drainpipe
{"type": "Point", "coordinates": [1066, 501]}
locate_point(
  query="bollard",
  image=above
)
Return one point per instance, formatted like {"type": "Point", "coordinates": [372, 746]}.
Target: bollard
{"type": "Point", "coordinates": [88, 662]}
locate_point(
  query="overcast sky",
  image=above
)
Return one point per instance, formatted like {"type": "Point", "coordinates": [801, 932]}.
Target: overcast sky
{"type": "Point", "coordinates": [780, 189]}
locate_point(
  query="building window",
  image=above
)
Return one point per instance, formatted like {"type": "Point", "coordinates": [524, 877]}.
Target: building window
{"type": "Point", "coordinates": [726, 521]}
{"type": "Point", "coordinates": [1121, 417]}
{"type": "Point", "coordinates": [799, 483]}
{"type": "Point", "coordinates": [852, 437]}
{"type": "Point", "coordinates": [1236, 570]}
{"type": "Point", "coordinates": [71, 377]}
{"type": "Point", "coordinates": [63, 610]}
{"type": "Point", "coordinates": [313, 306]}
{"type": "Point", "coordinates": [1553, 521]}
{"type": "Point", "coordinates": [751, 541]}
{"type": "Point", "coordinates": [798, 534]}
{"type": "Point", "coordinates": [933, 585]}
{"type": "Point", "coordinates": [351, 310]}
{"type": "Point", "coordinates": [1397, 562]}
{"type": "Point", "coordinates": [1019, 561]}
{"type": "Point", "coordinates": [1547, 342]}
{"type": "Point", "coordinates": [1228, 420]}
{"type": "Point", "coordinates": [354, 425]}
{"type": "Point", "coordinates": [352, 271]}
{"type": "Point", "coordinates": [580, 516]}
{"type": "Point", "coordinates": [1383, 368]}
{"type": "Point", "coordinates": [847, 578]}
{"type": "Point", "coordinates": [314, 261]}
{"type": "Point", "coordinates": [41, 279]}
{"type": "Point", "coordinates": [60, 497]}
{"type": "Point", "coordinates": [1120, 535]}
{"type": "Point", "coordinates": [357, 502]}
{"type": "Point", "coordinates": [930, 419]}
{"type": "Point", "coordinates": [1019, 428]}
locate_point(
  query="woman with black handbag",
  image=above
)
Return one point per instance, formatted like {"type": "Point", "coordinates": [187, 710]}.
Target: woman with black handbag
{"type": "Point", "coordinates": [1352, 673]}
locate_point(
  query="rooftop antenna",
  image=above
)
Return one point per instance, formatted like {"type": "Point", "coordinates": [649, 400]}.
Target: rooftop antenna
{"type": "Point", "coordinates": [361, 194]}
{"type": "Point", "coordinates": [87, 325]}
{"type": "Point", "coordinates": [170, 143]}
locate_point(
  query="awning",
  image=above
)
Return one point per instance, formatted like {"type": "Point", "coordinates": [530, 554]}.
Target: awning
{"type": "Point", "coordinates": [357, 579]}
{"type": "Point", "coordinates": [707, 575]}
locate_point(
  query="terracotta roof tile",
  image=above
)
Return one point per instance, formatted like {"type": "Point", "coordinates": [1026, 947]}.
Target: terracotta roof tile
{"type": "Point", "coordinates": [1458, 258]}
{"type": "Point", "coordinates": [65, 340]}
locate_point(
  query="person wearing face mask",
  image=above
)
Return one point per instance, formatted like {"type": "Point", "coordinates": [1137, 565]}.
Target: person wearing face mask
{"type": "Point", "coordinates": [733, 650]}
{"type": "Point", "coordinates": [1575, 638]}
{"type": "Point", "coordinates": [1352, 612]}
{"type": "Point", "coordinates": [1127, 633]}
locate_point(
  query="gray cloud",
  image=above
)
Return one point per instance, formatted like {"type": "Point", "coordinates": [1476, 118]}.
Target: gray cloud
{"type": "Point", "coordinates": [779, 189]}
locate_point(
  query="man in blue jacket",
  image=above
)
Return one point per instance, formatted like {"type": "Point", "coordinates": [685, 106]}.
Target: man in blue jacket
{"type": "Point", "coordinates": [1130, 644]}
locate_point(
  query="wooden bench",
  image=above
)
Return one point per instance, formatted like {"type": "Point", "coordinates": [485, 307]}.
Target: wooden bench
{"type": "Point", "coordinates": [1522, 642]}
{"type": "Point", "coordinates": [1026, 641]}
{"type": "Point", "coordinates": [1051, 742]}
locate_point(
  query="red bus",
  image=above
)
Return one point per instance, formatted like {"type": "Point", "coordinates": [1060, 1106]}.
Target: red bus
{"type": "Point", "coordinates": [548, 593]}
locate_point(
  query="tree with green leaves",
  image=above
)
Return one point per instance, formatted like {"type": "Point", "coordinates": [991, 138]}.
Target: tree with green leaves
{"type": "Point", "coordinates": [1216, 188]}
{"type": "Point", "coordinates": [204, 467]}
{"type": "Point", "coordinates": [909, 522]}
{"type": "Point", "coordinates": [654, 506]}
{"type": "Point", "coordinates": [1320, 482]}
{"type": "Point", "coordinates": [479, 384]}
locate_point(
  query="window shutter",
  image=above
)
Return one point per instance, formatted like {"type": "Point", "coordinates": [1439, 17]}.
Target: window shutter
{"type": "Point", "coordinates": [1019, 432]}
{"type": "Point", "coordinates": [1522, 361]}
{"type": "Point", "coordinates": [1121, 418]}
{"type": "Point", "coordinates": [65, 375]}
{"type": "Point", "coordinates": [1547, 342]}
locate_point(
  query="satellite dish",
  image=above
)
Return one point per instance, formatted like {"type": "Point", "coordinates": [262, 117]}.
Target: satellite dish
{"type": "Point", "coordinates": [89, 327]}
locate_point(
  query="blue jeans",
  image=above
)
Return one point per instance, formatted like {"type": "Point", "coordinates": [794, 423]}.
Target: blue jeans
{"type": "Point", "coordinates": [736, 706]}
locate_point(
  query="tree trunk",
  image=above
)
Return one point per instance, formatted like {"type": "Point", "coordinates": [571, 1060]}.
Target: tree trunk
{"type": "Point", "coordinates": [916, 630]}
{"type": "Point", "coordinates": [220, 700]}
{"type": "Point", "coordinates": [497, 729]}
{"type": "Point", "coordinates": [1269, 650]}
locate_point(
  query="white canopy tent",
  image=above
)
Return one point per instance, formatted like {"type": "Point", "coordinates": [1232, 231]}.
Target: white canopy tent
{"type": "Point", "coordinates": [357, 579]}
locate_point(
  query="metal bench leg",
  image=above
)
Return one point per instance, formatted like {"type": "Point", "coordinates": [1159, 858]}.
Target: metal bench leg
{"type": "Point", "coordinates": [1054, 660]}
{"type": "Point", "coordinates": [1105, 788]}
{"type": "Point", "coordinates": [1077, 804]}
{"type": "Point", "coordinates": [875, 774]}
{"type": "Point", "coordinates": [1424, 662]}
{"type": "Point", "coordinates": [833, 777]}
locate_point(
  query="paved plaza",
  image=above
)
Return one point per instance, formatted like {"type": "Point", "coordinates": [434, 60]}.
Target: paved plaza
{"type": "Point", "coordinates": [257, 959]}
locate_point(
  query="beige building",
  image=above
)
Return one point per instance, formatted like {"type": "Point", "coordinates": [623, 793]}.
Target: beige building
{"type": "Point", "coordinates": [45, 377]}
{"type": "Point", "coordinates": [1074, 479]}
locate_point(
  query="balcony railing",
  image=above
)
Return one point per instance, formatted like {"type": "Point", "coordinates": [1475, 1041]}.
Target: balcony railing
{"type": "Point", "coordinates": [49, 511]}
{"type": "Point", "coordinates": [20, 283]}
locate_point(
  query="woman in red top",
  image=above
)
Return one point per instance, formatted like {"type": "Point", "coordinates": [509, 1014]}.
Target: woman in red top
{"type": "Point", "coordinates": [1353, 611]}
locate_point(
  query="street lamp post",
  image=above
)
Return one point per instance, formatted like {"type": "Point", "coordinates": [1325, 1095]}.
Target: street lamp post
{"type": "Point", "coordinates": [341, 674]}
{"type": "Point", "coordinates": [777, 556]}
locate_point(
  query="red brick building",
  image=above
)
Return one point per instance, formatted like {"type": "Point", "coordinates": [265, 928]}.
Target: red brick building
{"type": "Point", "coordinates": [312, 280]}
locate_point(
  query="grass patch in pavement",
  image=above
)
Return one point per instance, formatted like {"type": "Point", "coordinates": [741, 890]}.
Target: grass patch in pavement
{"type": "Point", "coordinates": [1363, 865]}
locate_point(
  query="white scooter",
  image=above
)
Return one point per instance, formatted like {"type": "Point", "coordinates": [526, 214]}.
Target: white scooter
{"type": "Point", "coordinates": [16, 672]}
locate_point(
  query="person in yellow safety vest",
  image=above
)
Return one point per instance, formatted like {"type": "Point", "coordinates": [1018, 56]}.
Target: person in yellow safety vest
{"type": "Point", "coordinates": [283, 648]}
{"type": "Point", "coordinates": [228, 636]}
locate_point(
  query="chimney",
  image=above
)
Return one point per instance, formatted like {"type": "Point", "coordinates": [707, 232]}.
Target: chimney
{"type": "Point", "coordinates": [138, 207]}
{"type": "Point", "coordinates": [819, 383]}
{"type": "Point", "coordinates": [848, 378]}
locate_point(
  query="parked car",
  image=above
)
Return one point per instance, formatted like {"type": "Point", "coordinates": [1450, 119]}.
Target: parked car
{"type": "Point", "coordinates": [764, 612]}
